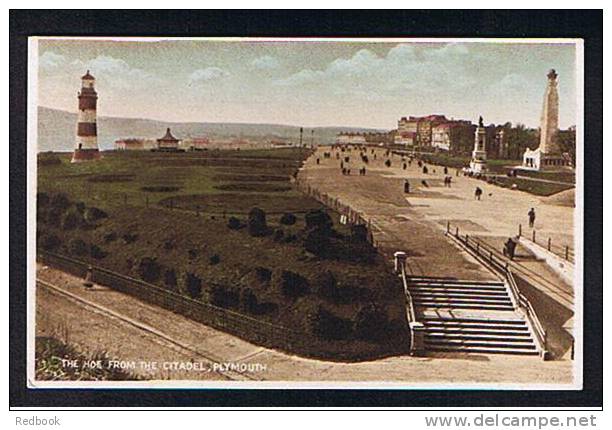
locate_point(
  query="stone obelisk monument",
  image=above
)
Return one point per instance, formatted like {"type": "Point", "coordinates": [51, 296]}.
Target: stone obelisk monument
{"type": "Point", "coordinates": [479, 155]}
{"type": "Point", "coordinates": [86, 145]}
{"type": "Point", "coordinates": [548, 155]}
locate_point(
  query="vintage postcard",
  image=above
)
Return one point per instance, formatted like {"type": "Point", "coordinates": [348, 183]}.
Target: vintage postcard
{"type": "Point", "coordinates": [346, 213]}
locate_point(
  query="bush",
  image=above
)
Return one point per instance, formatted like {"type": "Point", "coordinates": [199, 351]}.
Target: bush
{"type": "Point", "coordinates": [224, 297]}
{"type": "Point", "coordinates": [257, 222]}
{"type": "Point", "coordinates": [263, 274]}
{"type": "Point", "coordinates": [371, 323]}
{"type": "Point", "coordinates": [325, 285]}
{"type": "Point", "coordinates": [288, 219]}
{"type": "Point", "coordinates": [193, 253]}
{"type": "Point", "coordinates": [234, 223]}
{"type": "Point", "coordinates": [328, 326]}
{"type": "Point", "coordinates": [50, 242]}
{"type": "Point", "coordinates": [94, 214]}
{"type": "Point", "coordinates": [60, 201]}
{"type": "Point", "coordinates": [317, 242]}
{"type": "Point", "coordinates": [291, 284]}
{"type": "Point", "coordinates": [54, 217]}
{"type": "Point", "coordinates": [214, 259]}
{"type": "Point", "coordinates": [359, 233]}
{"type": "Point", "coordinates": [318, 219]}
{"type": "Point", "coordinates": [170, 279]}
{"type": "Point", "coordinates": [149, 270]}
{"type": "Point", "coordinates": [42, 200]}
{"type": "Point", "coordinates": [71, 220]}
{"type": "Point", "coordinates": [279, 235]}
{"type": "Point", "coordinates": [248, 301]}
{"type": "Point", "coordinates": [129, 237]}
{"type": "Point", "coordinates": [96, 252]}
{"type": "Point", "coordinates": [78, 248]}
{"type": "Point", "coordinates": [80, 207]}
{"type": "Point", "coordinates": [193, 285]}
{"type": "Point", "coordinates": [110, 237]}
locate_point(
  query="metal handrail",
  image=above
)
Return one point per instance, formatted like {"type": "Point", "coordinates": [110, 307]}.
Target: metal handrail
{"type": "Point", "coordinates": [518, 298]}
{"type": "Point", "coordinates": [409, 302]}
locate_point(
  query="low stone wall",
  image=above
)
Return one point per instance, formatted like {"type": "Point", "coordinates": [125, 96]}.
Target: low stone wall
{"type": "Point", "coordinates": [560, 266]}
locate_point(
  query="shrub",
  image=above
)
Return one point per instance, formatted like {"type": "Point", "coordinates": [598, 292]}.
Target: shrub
{"type": "Point", "coordinates": [78, 247]}
{"type": "Point", "coordinates": [60, 201]}
{"type": "Point", "coordinates": [50, 242]}
{"type": "Point", "coordinates": [193, 253]}
{"type": "Point", "coordinates": [318, 219]}
{"type": "Point", "coordinates": [71, 220]}
{"type": "Point", "coordinates": [110, 237]}
{"type": "Point", "coordinates": [94, 214]}
{"type": "Point", "coordinates": [263, 274]}
{"type": "Point", "coordinates": [80, 207]}
{"type": "Point", "coordinates": [317, 242]}
{"type": "Point", "coordinates": [224, 297]}
{"type": "Point", "coordinates": [54, 217]}
{"type": "Point", "coordinates": [96, 252]}
{"type": "Point", "coordinates": [42, 199]}
{"type": "Point", "coordinates": [170, 279]}
{"type": "Point", "coordinates": [279, 235]}
{"type": "Point", "coordinates": [257, 222]}
{"type": "Point", "coordinates": [325, 285]}
{"type": "Point", "coordinates": [129, 237]}
{"type": "Point", "coordinates": [193, 285]}
{"type": "Point", "coordinates": [214, 259]}
{"type": "Point", "coordinates": [149, 270]}
{"type": "Point", "coordinates": [288, 219]}
{"type": "Point", "coordinates": [328, 326]}
{"type": "Point", "coordinates": [292, 285]}
{"type": "Point", "coordinates": [359, 233]}
{"type": "Point", "coordinates": [169, 245]}
{"type": "Point", "coordinates": [234, 223]}
{"type": "Point", "coordinates": [371, 323]}
{"type": "Point", "coordinates": [248, 301]}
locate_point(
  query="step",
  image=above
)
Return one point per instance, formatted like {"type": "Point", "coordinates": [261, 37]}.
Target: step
{"type": "Point", "coordinates": [478, 330]}
{"type": "Point", "coordinates": [460, 298]}
{"type": "Point", "coordinates": [424, 280]}
{"type": "Point", "coordinates": [438, 320]}
{"type": "Point", "coordinates": [473, 305]}
{"type": "Point", "coordinates": [450, 285]}
{"type": "Point", "coordinates": [483, 350]}
{"type": "Point", "coordinates": [503, 336]}
{"type": "Point", "coordinates": [480, 343]}
{"type": "Point", "coordinates": [456, 291]}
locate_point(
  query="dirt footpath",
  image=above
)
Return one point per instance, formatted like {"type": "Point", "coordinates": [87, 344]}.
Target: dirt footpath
{"type": "Point", "coordinates": [93, 331]}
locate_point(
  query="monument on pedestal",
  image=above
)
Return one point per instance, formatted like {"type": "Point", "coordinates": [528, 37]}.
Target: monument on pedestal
{"type": "Point", "coordinates": [548, 155]}
{"type": "Point", "coordinates": [479, 155]}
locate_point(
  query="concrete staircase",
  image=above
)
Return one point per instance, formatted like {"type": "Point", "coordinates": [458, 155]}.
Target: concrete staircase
{"type": "Point", "coordinates": [470, 316]}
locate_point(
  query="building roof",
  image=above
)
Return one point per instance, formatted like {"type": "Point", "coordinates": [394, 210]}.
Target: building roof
{"type": "Point", "coordinates": [88, 76]}
{"type": "Point", "coordinates": [168, 136]}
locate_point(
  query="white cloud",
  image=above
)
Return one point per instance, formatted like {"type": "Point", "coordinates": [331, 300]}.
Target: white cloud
{"type": "Point", "coordinates": [404, 69]}
{"type": "Point", "coordinates": [207, 74]}
{"type": "Point", "coordinates": [51, 60]}
{"type": "Point", "coordinates": [265, 62]}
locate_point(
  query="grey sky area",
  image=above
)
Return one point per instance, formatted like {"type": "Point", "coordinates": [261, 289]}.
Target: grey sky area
{"type": "Point", "coordinates": [309, 83]}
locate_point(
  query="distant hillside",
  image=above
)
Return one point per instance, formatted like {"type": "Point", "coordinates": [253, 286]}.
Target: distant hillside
{"type": "Point", "coordinates": [56, 130]}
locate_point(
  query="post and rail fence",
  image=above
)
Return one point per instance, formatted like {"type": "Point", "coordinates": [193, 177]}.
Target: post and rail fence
{"type": "Point", "coordinates": [252, 329]}
{"type": "Point", "coordinates": [563, 251]}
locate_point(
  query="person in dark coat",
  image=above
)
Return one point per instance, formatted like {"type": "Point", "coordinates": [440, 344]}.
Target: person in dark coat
{"type": "Point", "coordinates": [532, 216]}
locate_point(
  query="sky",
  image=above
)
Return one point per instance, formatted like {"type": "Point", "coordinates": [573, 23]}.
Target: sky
{"type": "Point", "coordinates": [309, 83]}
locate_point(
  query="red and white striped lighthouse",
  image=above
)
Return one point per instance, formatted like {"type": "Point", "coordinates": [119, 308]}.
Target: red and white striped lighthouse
{"type": "Point", "coordinates": [87, 132]}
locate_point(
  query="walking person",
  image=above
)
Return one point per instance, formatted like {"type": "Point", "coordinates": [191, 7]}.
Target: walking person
{"type": "Point", "coordinates": [477, 193]}
{"type": "Point", "coordinates": [532, 216]}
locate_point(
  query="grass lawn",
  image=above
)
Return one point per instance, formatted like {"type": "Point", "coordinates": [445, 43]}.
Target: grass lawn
{"type": "Point", "coordinates": [167, 222]}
